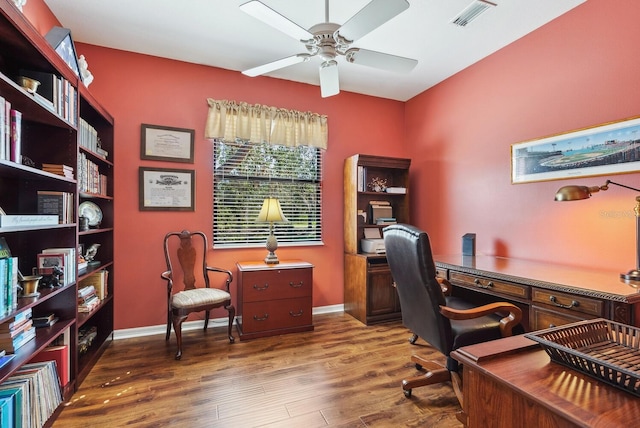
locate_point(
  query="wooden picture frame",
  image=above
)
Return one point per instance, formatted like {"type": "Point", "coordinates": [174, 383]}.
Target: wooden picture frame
{"type": "Point", "coordinates": [167, 189]}
{"type": "Point", "coordinates": [166, 143]}
{"type": "Point", "coordinates": [609, 148]}
{"type": "Point", "coordinates": [62, 42]}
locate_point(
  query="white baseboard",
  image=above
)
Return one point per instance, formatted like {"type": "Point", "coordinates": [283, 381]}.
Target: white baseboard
{"type": "Point", "coordinates": [128, 333]}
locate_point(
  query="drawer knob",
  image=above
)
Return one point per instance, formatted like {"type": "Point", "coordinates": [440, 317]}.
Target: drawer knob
{"type": "Point", "coordinates": [294, 285]}
{"type": "Point", "coordinates": [263, 318]}
{"type": "Point", "coordinates": [481, 285]}
{"type": "Point", "coordinates": [573, 304]}
{"type": "Point", "coordinates": [260, 288]}
{"type": "Point", "coordinates": [296, 314]}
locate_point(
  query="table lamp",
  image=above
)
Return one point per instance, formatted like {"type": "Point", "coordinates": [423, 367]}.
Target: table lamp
{"type": "Point", "coordinates": [272, 213]}
{"type": "Point", "coordinates": [576, 193]}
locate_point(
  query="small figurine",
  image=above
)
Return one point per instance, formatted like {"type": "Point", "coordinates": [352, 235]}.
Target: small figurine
{"type": "Point", "coordinates": [91, 252]}
{"type": "Point", "coordinates": [20, 3]}
{"type": "Point", "coordinates": [87, 76]}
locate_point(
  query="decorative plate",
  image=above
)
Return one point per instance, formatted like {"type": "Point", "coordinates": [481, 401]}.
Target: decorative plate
{"type": "Point", "coordinates": [91, 211]}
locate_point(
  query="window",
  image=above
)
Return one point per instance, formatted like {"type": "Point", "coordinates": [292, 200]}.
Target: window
{"type": "Point", "coordinates": [246, 173]}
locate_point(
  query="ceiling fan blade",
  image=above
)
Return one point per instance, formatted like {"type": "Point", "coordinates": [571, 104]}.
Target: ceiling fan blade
{"type": "Point", "coordinates": [370, 17]}
{"type": "Point", "coordinates": [276, 65]}
{"type": "Point", "coordinates": [329, 82]}
{"type": "Point", "coordinates": [269, 16]}
{"type": "Point", "coordinates": [380, 60]}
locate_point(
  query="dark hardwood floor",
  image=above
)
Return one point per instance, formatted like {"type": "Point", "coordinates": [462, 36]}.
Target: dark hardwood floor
{"type": "Point", "coordinates": [343, 374]}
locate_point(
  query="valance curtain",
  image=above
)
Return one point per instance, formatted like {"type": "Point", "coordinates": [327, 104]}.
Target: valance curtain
{"type": "Point", "coordinates": [228, 120]}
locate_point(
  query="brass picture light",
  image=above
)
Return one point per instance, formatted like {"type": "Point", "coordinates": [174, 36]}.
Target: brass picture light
{"type": "Point", "coordinates": [576, 193]}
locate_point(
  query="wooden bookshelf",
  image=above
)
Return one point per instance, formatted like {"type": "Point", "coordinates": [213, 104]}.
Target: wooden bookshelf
{"type": "Point", "coordinates": [369, 294]}
{"type": "Point", "coordinates": [54, 136]}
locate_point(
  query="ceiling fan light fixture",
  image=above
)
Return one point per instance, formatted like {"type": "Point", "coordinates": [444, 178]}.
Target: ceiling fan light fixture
{"type": "Point", "coordinates": [471, 12]}
{"type": "Point", "coordinates": [329, 82]}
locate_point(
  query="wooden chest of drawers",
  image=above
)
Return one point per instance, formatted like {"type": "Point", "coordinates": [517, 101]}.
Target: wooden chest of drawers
{"type": "Point", "coordinates": [274, 299]}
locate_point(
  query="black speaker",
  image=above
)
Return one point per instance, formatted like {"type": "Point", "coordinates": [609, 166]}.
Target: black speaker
{"type": "Point", "coordinates": [469, 244]}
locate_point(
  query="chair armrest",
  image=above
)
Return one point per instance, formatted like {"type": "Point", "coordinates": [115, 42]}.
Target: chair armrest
{"type": "Point", "coordinates": [445, 286]}
{"type": "Point", "coordinates": [169, 277]}
{"type": "Point", "coordinates": [506, 324]}
{"type": "Point", "coordinates": [220, 270]}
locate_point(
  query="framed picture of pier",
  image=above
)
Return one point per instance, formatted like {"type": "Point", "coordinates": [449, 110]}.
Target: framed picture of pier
{"type": "Point", "coordinates": [610, 148]}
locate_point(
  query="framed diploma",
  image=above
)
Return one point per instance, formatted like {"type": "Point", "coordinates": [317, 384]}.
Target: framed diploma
{"type": "Point", "coordinates": [165, 189]}
{"type": "Point", "coordinates": [165, 143]}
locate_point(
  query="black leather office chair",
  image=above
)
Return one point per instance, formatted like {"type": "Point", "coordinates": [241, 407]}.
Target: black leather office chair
{"type": "Point", "coordinates": [445, 322]}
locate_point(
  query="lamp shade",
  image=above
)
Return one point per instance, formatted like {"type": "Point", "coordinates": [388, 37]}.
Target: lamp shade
{"type": "Point", "coordinates": [575, 193]}
{"type": "Point", "coordinates": [271, 211]}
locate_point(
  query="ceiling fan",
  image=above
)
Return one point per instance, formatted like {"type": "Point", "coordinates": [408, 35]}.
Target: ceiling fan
{"type": "Point", "coordinates": [328, 41]}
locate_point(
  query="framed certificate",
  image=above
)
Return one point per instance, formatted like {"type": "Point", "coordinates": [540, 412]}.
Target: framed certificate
{"type": "Point", "coordinates": [166, 143]}
{"type": "Point", "coordinates": [163, 189]}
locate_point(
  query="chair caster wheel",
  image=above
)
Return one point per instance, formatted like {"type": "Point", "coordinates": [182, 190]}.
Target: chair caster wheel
{"type": "Point", "coordinates": [407, 393]}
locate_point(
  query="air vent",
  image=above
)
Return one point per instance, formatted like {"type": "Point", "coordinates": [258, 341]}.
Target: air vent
{"type": "Point", "coordinates": [471, 12]}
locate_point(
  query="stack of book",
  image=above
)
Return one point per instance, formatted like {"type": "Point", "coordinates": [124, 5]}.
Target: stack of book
{"type": "Point", "coordinates": [87, 299]}
{"type": "Point", "coordinates": [17, 331]}
{"type": "Point", "coordinates": [381, 221]}
{"type": "Point", "coordinates": [45, 321]}
{"type": "Point", "coordinates": [59, 169]}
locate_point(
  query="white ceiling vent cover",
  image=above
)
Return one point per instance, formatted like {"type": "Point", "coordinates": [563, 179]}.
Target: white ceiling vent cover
{"type": "Point", "coordinates": [471, 12]}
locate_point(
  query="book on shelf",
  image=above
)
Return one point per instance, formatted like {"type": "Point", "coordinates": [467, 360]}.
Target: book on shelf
{"type": "Point", "coordinates": [13, 332]}
{"type": "Point", "coordinates": [398, 190]}
{"type": "Point", "coordinates": [26, 220]}
{"type": "Point", "coordinates": [385, 220]}
{"type": "Point", "coordinates": [5, 359]}
{"type": "Point", "coordinates": [59, 169]}
{"type": "Point", "coordinates": [3, 154]}
{"type": "Point", "coordinates": [8, 284]}
{"type": "Point", "coordinates": [6, 412]}
{"type": "Point", "coordinates": [15, 393]}
{"type": "Point", "coordinates": [16, 136]}
{"type": "Point", "coordinates": [59, 354]}
{"type": "Point", "coordinates": [43, 393]}
{"type": "Point", "coordinates": [50, 257]}
{"type": "Point", "coordinates": [58, 203]}
{"type": "Point", "coordinates": [380, 203]}
{"type": "Point", "coordinates": [11, 345]}
{"type": "Point", "coordinates": [97, 280]}
{"type": "Point", "coordinates": [87, 299]}
{"type": "Point", "coordinates": [16, 320]}
{"type": "Point", "coordinates": [7, 129]}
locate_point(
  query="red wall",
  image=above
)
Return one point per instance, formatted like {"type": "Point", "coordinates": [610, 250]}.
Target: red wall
{"type": "Point", "coordinates": [579, 70]}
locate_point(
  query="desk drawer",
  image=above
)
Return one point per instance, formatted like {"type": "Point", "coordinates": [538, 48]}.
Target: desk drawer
{"type": "Point", "coordinates": [569, 303]}
{"type": "Point", "coordinates": [546, 317]}
{"type": "Point", "coordinates": [276, 314]}
{"type": "Point", "coordinates": [490, 285]}
{"type": "Point", "coordinates": [276, 284]}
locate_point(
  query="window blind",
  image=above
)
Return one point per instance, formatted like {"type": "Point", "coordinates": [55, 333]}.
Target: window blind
{"type": "Point", "coordinates": [246, 173]}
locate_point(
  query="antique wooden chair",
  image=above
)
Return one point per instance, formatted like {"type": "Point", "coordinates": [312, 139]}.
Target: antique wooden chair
{"type": "Point", "coordinates": [198, 294]}
{"type": "Point", "coordinates": [444, 321]}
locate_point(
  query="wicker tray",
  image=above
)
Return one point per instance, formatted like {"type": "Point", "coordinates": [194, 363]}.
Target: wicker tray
{"type": "Point", "coordinates": [606, 350]}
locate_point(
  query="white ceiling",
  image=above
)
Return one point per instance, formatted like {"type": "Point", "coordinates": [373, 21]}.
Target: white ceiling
{"type": "Point", "coordinates": [217, 33]}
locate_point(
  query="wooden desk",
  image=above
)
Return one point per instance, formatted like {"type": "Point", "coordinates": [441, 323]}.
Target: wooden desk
{"type": "Point", "coordinates": [548, 294]}
{"type": "Point", "coordinates": [512, 382]}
